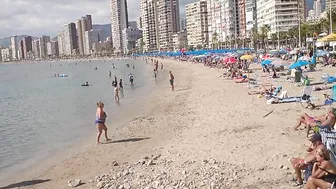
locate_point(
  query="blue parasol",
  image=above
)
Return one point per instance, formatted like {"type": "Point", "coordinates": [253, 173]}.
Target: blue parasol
{"type": "Point", "coordinates": [299, 63]}
{"type": "Point", "coordinates": [266, 62]}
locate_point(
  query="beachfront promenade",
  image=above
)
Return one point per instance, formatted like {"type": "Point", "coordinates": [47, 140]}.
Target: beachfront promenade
{"type": "Point", "coordinates": [209, 133]}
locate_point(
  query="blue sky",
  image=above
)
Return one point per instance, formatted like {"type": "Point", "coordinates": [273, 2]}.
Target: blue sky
{"type": "Point", "coordinates": [39, 17]}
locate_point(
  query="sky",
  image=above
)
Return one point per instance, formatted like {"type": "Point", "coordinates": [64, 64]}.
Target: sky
{"type": "Point", "coordinates": [47, 17]}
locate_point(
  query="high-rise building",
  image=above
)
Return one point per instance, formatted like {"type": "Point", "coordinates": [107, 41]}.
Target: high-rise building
{"type": "Point", "coordinates": [67, 40]}
{"type": "Point", "coordinates": [52, 49]}
{"type": "Point", "coordinates": [36, 48]}
{"type": "Point", "coordinates": [251, 16]}
{"type": "Point", "coordinates": [197, 24]}
{"type": "Point", "coordinates": [223, 20]}
{"type": "Point", "coordinates": [14, 45]}
{"type": "Point", "coordinates": [242, 18]}
{"type": "Point", "coordinates": [139, 22]}
{"type": "Point", "coordinates": [119, 21]}
{"type": "Point", "coordinates": [43, 46]}
{"type": "Point", "coordinates": [280, 16]}
{"type": "Point", "coordinates": [133, 24]}
{"type": "Point", "coordinates": [330, 3]}
{"type": "Point", "coordinates": [183, 24]}
{"type": "Point", "coordinates": [84, 24]}
{"type": "Point", "coordinates": [160, 19]}
{"type": "Point", "coordinates": [301, 8]}
{"type": "Point", "coordinates": [130, 36]}
{"type": "Point", "coordinates": [148, 12]}
{"type": "Point", "coordinates": [21, 54]}
{"type": "Point", "coordinates": [168, 17]}
{"type": "Point", "coordinates": [6, 54]}
{"type": "Point", "coordinates": [180, 40]}
{"type": "Point", "coordinates": [90, 37]}
{"type": "Point", "coordinates": [27, 47]}
{"type": "Point", "coordinates": [317, 8]}
{"type": "Point", "coordinates": [80, 37]}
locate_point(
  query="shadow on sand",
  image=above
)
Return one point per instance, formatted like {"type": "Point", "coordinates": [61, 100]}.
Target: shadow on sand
{"type": "Point", "coordinates": [182, 89]}
{"type": "Point", "coordinates": [126, 140]}
{"type": "Point", "coordinates": [25, 183]}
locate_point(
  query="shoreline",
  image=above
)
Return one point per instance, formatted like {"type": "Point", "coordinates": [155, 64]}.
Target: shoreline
{"type": "Point", "coordinates": [207, 119]}
{"type": "Point", "coordinates": [40, 163]}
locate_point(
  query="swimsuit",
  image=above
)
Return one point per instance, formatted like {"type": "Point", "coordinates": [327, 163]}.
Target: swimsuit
{"type": "Point", "coordinates": [100, 120]}
{"type": "Point", "coordinates": [171, 81]}
{"type": "Point", "coordinates": [328, 177]}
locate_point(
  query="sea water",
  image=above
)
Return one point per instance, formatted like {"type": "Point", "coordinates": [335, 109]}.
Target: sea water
{"type": "Point", "coordinates": [40, 112]}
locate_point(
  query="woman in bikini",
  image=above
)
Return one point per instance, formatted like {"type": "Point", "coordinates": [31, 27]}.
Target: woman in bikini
{"type": "Point", "coordinates": [324, 172]}
{"type": "Point", "coordinates": [100, 121]}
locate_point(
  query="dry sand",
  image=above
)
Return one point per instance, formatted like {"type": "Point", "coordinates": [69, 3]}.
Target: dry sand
{"type": "Point", "coordinates": [207, 134]}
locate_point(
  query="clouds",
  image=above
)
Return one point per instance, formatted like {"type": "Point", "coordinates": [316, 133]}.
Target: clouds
{"type": "Point", "coordinates": [38, 17]}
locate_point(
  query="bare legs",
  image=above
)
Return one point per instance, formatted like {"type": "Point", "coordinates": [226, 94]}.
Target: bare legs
{"type": "Point", "coordinates": [314, 183]}
{"type": "Point", "coordinates": [101, 127]}
{"type": "Point", "coordinates": [296, 165]}
{"type": "Point", "coordinates": [304, 119]}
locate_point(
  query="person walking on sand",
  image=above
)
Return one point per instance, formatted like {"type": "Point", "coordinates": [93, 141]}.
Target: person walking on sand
{"type": "Point", "coordinates": [161, 66]}
{"type": "Point", "coordinates": [171, 76]}
{"type": "Point", "coordinates": [100, 121]}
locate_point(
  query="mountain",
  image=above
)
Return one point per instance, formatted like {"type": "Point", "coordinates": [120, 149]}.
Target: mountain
{"type": "Point", "coordinates": [6, 40]}
{"type": "Point", "coordinates": [105, 30]}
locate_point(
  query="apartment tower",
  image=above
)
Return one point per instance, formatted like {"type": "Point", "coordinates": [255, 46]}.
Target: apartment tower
{"type": "Point", "coordinates": [280, 16]}
{"type": "Point", "coordinates": [119, 21]}
{"type": "Point", "coordinates": [84, 24]}
{"type": "Point", "coordinates": [149, 22]}
{"type": "Point", "coordinates": [197, 24]}
{"type": "Point", "coordinates": [14, 45]}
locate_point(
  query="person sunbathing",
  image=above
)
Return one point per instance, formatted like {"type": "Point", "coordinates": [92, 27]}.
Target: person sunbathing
{"type": "Point", "coordinates": [324, 171]}
{"type": "Point", "coordinates": [263, 91]}
{"type": "Point", "coordinates": [326, 121]}
{"type": "Point", "coordinates": [320, 88]}
{"type": "Point", "coordinates": [323, 121]}
{"type": "Point", "coordinates": [300, 164]}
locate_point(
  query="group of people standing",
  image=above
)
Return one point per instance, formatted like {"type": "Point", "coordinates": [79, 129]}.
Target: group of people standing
{"type": "Point", "coordinates": [119, 87]}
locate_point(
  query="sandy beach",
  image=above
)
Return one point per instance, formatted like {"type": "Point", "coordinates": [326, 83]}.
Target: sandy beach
{"type": "Point", "coordinates": [208, 133]}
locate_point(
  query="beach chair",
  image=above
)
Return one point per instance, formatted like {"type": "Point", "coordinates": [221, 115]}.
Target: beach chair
{"type": "Point", "coordinates": [331, 100]}
{"type": "Point", "coordinates": [306, 95]}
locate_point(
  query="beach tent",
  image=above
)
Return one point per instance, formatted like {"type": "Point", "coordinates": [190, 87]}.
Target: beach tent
{"type": "Point", "coordinates": [328, 38]}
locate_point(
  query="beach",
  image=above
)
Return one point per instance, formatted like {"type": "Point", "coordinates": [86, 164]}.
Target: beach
{"type": "Point", "coordinates": [208, 133]}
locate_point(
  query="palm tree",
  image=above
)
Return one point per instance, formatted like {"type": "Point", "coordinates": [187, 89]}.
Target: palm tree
{"type": "Point", "coordinates": [264, 34]}
{"type": "Point", "coordinates": [273, 38]}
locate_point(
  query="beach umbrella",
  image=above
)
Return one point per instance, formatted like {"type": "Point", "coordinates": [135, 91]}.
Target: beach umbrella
{"type": "Point", "coordinates": [328, 38]}
{"type": "Point", "coordinates": [230, 60]}
{"type": "Point", "coordinates": [266, 62]}
{"type": "Point", "coordinates": [299, 63]}
{"type": "Point", "coordinates": [246, 57]}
